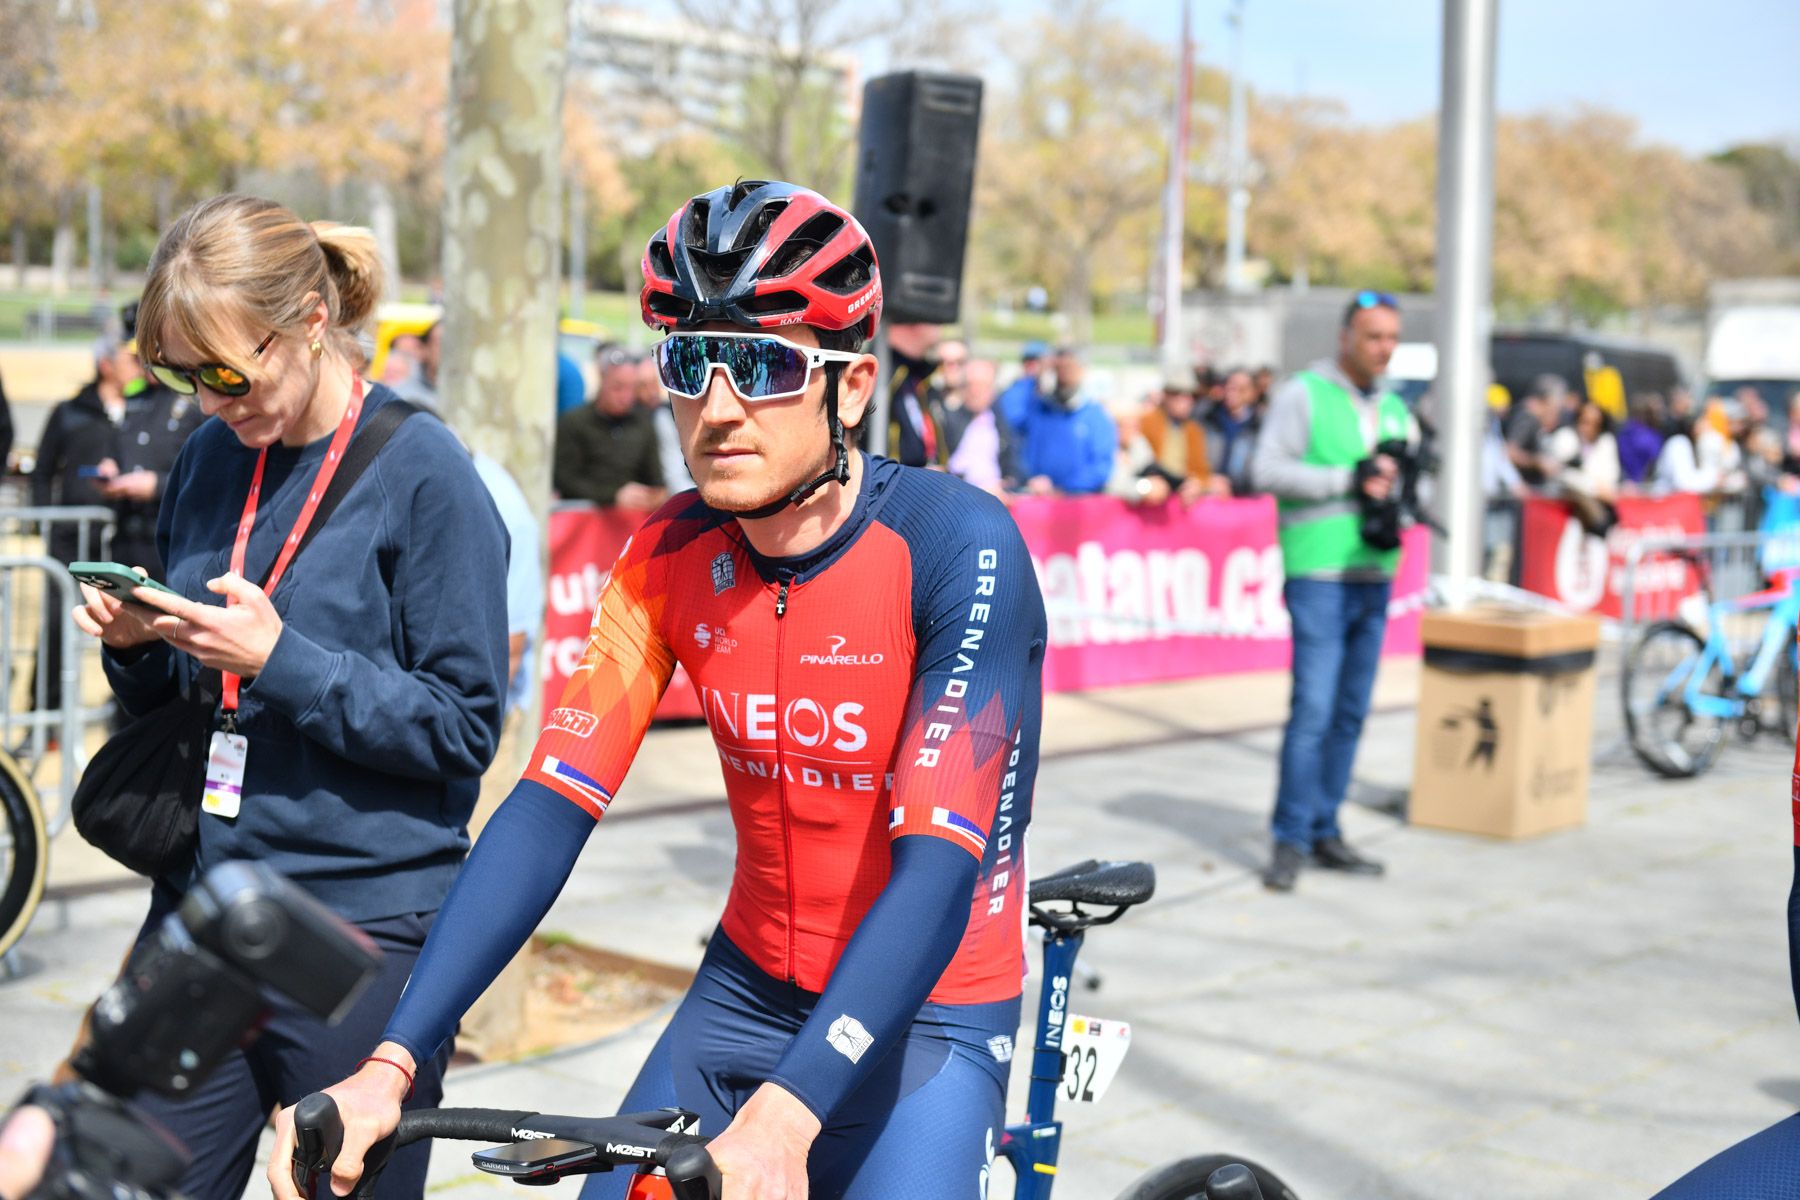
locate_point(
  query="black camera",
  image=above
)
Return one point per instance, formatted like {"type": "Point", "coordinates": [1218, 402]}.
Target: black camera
{"type": "Point", "coordinates": [190, 994]}
{"type": "Point", "coordinates": [1381, 520]}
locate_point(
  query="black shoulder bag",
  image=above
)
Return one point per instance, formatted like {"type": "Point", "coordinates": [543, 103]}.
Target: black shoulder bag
{"type": "Point", "coordinates": [139, 797]}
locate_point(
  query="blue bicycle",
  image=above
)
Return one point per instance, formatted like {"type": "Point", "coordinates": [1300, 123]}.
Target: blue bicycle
{"type": "Point", "coordinates": [1074, 1057]}
{"type": "Point", "coordinates": [1684, 693]}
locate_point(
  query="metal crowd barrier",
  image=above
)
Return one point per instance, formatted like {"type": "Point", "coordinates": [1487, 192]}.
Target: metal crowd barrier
{"type": "Point", "coordinates": [37, 594]}
{"type": "Point", "coordinates": [1656, 569]}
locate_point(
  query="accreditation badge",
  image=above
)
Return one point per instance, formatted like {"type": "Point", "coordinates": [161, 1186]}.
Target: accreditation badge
{"type": "Point", "coordinates": [224, 794]}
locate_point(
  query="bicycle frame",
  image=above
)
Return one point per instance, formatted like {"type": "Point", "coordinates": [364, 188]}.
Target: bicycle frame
{"type": "Point", "coordinates": [1783, 604]}
{"type": "Point", "coordinates": [1032, 1147]}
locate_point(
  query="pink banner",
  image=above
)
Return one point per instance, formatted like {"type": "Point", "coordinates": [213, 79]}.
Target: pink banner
{"type": "Point", "coordinates": [1137, 595]}
{"type": "Point", "coordinates": [1133, 595]}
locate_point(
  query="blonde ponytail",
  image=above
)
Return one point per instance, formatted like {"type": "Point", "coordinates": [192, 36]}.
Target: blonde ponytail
{"type": "Point", "coordinates": [354, 262]}
{"type": "Point", "coordinates": [236, 261]}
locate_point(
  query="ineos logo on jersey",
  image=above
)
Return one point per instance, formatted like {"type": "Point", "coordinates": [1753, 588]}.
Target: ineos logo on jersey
{"type": "Point", "coordinates": [834, 659]}
{"type": "Point", "coordinates": [755, 717]}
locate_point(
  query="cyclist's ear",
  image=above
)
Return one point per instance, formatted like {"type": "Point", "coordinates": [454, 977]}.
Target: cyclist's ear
{"type": "Point", "coordinates": [856, 388]}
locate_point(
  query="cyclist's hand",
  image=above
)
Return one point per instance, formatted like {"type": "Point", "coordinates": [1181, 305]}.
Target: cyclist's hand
{"type": "Point", "coordinates": [368, 1104]}
{"type": "Point", "coordinates": [114, 622]}
{"type": "Point", "coordinates": [25, 1146]}
{"type": "Point", "coordinates": [762, 1153]}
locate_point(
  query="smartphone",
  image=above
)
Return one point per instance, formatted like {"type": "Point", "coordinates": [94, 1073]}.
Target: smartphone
{"type": "Point", "coordinates": [117, 580]}
{"type": "Point", "coordinates": [87, 472]}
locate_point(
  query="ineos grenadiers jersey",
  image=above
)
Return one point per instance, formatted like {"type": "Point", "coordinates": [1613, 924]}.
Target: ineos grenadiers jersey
{"type": "Point", "coordinates": [887, 684]}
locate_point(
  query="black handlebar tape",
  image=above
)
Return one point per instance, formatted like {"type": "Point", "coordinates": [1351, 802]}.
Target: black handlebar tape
{"type": "Point", "coordinates": [462, 1124]}
{"type": "Point", "coordinates": [692, 1173]}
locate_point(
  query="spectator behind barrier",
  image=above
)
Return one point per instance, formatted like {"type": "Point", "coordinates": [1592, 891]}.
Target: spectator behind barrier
{"type": "Point", "coordinates": [1015, 401]}
{"type": "Point", "coordinates": [915, 403]}
{"type": "Point", "coordinates": [1068, 439]}
{"type": "Point", "coordinates": [421, 386]}
{"type": "Point", "coordinates": [1704, 457]}
{"type": "Point", "coordinates": [367, 689]}
{"type": "Point", "coordinates": [1233, 423]}
{"type": "Point", "coordinates": [653, 400]}
{"type": "Point", "coordinates": [983, 447]}
{"type": "Point", "coordinates": [77, 455]}
{"type": "Point", "coordinates": [1528, 429]}
{"type": "Point", "coordinates": [1587, 454]}
{"type": "Point", "coordinates": [1176, 439]}
{"type": "Point", "coordinates": [1641, 438]}
{"type": "Point", "coordinates": [607, 451]}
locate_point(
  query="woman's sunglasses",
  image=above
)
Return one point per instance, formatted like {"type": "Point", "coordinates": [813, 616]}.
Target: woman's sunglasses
{"type": "Point", "coordinates": [221, 378]}
{"type": "Point", "coordinates": [760, 366]}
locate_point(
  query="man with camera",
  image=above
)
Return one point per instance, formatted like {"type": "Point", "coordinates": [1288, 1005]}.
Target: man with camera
{"type": "Point", "coordinates": [1334, 451]}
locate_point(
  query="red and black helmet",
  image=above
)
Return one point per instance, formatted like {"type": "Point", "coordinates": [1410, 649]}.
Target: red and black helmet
{"type": "Point", "coordinates": [762, 255]}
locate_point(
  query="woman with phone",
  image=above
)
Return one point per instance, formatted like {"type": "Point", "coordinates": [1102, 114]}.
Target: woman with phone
{"type": "Point", "coordinates": [360, 650]}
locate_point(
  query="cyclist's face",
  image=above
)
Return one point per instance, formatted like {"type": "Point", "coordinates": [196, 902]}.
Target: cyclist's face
{"type": "Point", "coordinates": [745, 454]}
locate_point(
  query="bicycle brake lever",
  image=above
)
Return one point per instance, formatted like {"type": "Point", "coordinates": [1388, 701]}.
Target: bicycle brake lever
{"type": "Point", "coordinates": [692, 1173]}
{"type": "Point", "coordinates": [318, 1139]}
{"type": "Point", "coordinates": [318, 1136]}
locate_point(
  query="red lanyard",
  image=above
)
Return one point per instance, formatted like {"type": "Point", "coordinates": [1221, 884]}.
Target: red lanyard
{"type": "Point", "coordinates": [320, 483]}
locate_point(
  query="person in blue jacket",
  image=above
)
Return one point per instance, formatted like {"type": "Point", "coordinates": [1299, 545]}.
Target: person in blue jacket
{"type": "Point", "coordinates": [362, 691]}
{"type": "Point", "coordinates": [1067, 438]}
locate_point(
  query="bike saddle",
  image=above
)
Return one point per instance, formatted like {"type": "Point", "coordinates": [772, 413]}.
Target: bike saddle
{"type": "Point", "coordinates": [1091, 882]}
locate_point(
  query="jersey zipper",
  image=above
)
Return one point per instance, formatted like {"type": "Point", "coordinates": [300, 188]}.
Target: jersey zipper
{"type": "Point", "coordinates": [787, 833]}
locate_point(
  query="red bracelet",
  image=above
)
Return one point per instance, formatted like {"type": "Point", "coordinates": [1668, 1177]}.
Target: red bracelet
{"type": "Point", "coordinates": [390, 1062]}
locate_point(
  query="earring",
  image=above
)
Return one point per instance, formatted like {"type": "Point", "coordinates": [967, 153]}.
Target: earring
{"type": "Point", "coordinates": [317, 347]}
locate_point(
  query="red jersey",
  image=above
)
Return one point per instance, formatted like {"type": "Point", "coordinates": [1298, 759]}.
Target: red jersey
{"type": "Point", "coordinates": [886, 684]}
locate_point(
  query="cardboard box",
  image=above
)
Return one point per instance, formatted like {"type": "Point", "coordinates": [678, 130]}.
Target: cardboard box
{"type": "Point", "coordinates": [1506, 714]}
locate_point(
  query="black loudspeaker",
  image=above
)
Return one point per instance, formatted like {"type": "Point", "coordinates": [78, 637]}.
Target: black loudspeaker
{"type": "Point", "coordinates": [915, 171]}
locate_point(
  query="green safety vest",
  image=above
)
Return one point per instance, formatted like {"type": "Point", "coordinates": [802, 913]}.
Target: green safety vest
{"type": "Point", "coordinates": [1320, 536]}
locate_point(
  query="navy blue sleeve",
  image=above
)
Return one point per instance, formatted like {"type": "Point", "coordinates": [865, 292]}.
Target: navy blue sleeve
{"type": "Point", "coordinates": [894, 959]}
{"type": "Point", "coordinates": [492, 908]}
{"type": "Point", "coordinates": [435, 714]}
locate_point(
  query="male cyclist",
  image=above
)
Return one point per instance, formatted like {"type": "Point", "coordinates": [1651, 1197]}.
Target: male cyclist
{"type": "Point", "coordinates": [867, 640]}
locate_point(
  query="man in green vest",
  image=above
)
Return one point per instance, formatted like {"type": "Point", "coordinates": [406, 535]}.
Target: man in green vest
{"type": "Point", "coordinates": [1318, 456]}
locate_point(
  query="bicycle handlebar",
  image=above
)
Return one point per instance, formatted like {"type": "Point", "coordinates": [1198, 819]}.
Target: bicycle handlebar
{"type": "Point", "coordinates": [636, 1140]}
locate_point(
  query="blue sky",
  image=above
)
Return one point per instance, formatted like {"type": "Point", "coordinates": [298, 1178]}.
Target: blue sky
{"type": "Point", "coordinates": [1699, 75]}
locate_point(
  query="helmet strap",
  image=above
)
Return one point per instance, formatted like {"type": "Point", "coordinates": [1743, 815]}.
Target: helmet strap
{"type": "Point", "coordinates": [838, 472]}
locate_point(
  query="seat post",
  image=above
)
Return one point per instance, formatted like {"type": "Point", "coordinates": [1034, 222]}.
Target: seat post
{"type": "Point", "coordinates": [1060, 951]}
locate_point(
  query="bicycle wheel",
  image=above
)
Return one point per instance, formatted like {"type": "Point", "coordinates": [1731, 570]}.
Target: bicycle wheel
{"type": "Point", "coordinates": [1187, 1178]}
{"type": "Point", "coordinates": [1665, 734]}
{"type": "Point", "coordinates": [24, 853]}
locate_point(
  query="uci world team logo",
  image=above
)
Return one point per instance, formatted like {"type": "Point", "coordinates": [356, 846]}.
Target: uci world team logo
{"type": "Point", "coordinates": [724, 573]}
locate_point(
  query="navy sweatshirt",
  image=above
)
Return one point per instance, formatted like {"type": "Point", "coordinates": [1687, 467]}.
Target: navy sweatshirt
{"type": "Point", "coordinates": [380, 707]}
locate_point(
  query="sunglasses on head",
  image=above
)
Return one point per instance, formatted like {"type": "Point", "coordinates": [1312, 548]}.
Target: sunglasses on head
{"type": "Point", "coordinates": [220, 378]}
{"type": "Point", "coordinates": [760, 366]}
{"type": "Point", "coordinates": [1369, 299]}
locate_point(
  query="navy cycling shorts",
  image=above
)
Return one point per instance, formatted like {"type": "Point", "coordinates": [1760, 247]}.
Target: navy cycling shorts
{"type": "Point", "coordinates": [1765, 1166]}
{"type": "Point", "coordinates": [923, 1127]}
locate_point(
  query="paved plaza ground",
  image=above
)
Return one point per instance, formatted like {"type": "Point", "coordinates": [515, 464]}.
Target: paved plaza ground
{"type": "Point", "coordinates": [1588, 1014]}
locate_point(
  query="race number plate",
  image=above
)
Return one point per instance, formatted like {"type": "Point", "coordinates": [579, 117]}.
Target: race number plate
{"type": "Point", "coordinates": [1092, 1052]}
